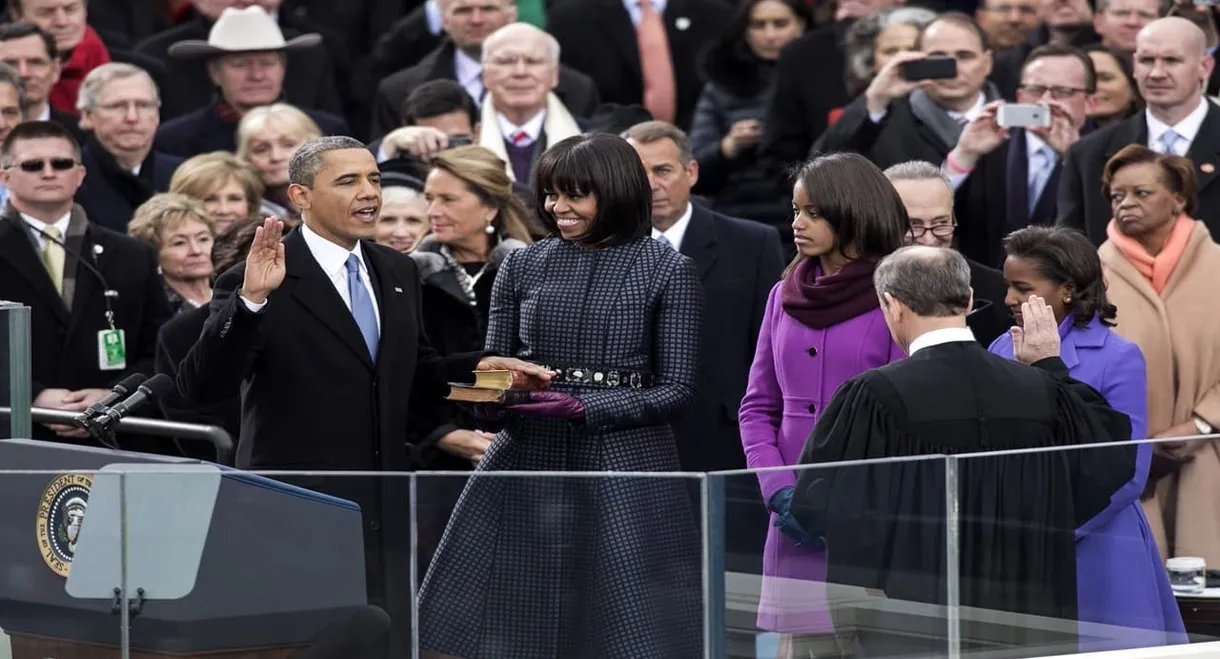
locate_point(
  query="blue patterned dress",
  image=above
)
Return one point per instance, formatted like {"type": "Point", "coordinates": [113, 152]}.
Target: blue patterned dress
{"type": "Point", "coordinates": [581, 567]}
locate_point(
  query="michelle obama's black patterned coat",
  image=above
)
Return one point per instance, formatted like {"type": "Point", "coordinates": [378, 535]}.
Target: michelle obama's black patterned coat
{"type": "Point", "coordinates": [551, 567]}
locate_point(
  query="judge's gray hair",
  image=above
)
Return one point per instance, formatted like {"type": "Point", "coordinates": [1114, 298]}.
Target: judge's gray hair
{"type": "Point", "coordinates": [931, 281]}
{"type": "Point", "coordinates": [307, 160]}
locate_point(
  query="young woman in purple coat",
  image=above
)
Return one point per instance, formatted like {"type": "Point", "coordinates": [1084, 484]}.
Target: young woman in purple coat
{"type": "Point", "coordinates": [1120, 578]}
{"type": "Point", "coordinates": [822, 326]}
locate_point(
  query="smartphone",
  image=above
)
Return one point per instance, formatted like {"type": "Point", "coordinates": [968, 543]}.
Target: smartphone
{"type": "Point", "coordinates": [931, 68]}
{"type": "Point", "coordinates": [1020, 115]}
{"type": "Point", "coordinates": [460, 140]}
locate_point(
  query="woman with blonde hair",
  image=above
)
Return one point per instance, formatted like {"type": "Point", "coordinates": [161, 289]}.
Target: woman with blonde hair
{"type": "Point", "coordinates": [228, 187]}
{"type": "Point", "coordinates": [476, 223]}
{"type": "Point", "coordinates": [266, 138]}
{"type": "Point", "coordinates": [182, 232]}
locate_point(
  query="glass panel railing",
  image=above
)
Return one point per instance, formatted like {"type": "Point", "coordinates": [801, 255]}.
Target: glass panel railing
{"type": "Point", "coordinates": [860, 566]}
{"type": "Point", "coordinates": [51, 603]}
{"type": "Point", "coordinates": [15, 393]}
{"type": "Point", "coordinates": [917, 562]}
{"type": "Point", "coordinates": [233, 562]}
{"type": "Point", "coordinates": [546, 564]}
{"type": "Point", "coordinates": [1069, 561]}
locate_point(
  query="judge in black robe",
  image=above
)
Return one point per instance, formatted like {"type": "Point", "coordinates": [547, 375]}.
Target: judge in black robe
{"type": "Point", "coordinates": [884, 523]}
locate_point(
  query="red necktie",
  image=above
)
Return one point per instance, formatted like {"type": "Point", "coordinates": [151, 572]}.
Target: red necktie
{"type": "Point", "coordinates": [519, 137]}
{"type": "Point", "coordinates": [660, 95]}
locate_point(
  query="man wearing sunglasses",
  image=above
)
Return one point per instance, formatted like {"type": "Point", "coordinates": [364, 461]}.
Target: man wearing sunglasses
{"type": "Point", "coordinates": [928, 196]}
{"type": "Point", "coordinates": [77, 354]}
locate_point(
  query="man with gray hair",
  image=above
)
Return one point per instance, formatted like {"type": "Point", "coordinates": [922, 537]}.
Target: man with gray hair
{"type": "Point", "coordinates": [928, 196]}
{"type": "Point", "coordinates": [121, 108]}
{"type": "Point", "coordinates": [1018, 512]}
{"type": "Point", "coordinates": [328, 317]}
{"type": "Point", "coordinates": [467, 24]}
{"type": "Point", "coordinates": [521, 116]}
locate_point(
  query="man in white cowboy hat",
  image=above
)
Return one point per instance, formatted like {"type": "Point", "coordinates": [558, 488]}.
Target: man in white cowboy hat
{"type": "Point", "coordinates": [245, 56]}
{"type": "Point", "coordinates": [189, 85]}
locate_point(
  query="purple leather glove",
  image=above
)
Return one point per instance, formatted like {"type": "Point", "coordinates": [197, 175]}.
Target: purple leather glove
{"type": "Point", "coordinates": [550, 405]}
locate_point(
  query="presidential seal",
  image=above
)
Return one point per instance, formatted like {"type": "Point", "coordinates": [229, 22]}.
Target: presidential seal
{"type": "Point", "coordinates": [60, 514]}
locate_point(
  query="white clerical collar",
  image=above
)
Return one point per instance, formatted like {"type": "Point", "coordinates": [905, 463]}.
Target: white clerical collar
{"type": "Point", "coordinates": [939, 336]}
{"type": "Point", "coordinates": [675, 233]}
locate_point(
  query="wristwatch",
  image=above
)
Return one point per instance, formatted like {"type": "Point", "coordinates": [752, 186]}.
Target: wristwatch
{"type": "Point", "coordinates": [1203, 427]}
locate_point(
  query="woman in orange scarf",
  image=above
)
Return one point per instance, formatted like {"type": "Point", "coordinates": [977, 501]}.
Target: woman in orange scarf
{"type": "Point", "coordinates": [1163, 270]}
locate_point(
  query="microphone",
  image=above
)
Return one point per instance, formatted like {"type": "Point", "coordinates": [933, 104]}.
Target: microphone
{"type": "Point", "coordinates": [154, 387]}
{"type": "Point", "coordinates": [124, 387]}
{"type": "Point", "coordinates": [80, 259]}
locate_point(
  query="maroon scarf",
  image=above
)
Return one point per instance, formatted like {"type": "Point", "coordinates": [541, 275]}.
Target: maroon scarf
{"type": "Point", "coordinates": [820, 302]}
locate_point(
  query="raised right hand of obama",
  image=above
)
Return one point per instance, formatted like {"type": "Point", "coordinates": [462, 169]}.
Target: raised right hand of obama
{"type": "Point", "coordinates": [265, 263]}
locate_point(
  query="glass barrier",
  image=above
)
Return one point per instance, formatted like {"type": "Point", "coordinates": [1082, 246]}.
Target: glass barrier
{"type": "Point", "coordinates": [929, 557]}
{"type": "Point", "coordinates": [860, 566]}
{"type": "Point", "coordinates": [15, 395]}
{"type": "Point", "coordinates": [1071, 557]}
{"type": "Point", "coordinates": [546, 564]}
{"type": "Point", "coordinates": [46, 608]}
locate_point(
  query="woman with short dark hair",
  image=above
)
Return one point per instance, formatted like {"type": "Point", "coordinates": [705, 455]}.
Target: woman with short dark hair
{"type": "Point", "coordinates": [823, 325]}
{"type": "Point", "coordinates": [1061, 266]}
{"type": "Point", "coordinates": [1162, 266]}
{"type": "Point", "coordinates": [564, 567]}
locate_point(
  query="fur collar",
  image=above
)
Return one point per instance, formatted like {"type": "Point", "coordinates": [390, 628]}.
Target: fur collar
{"type": "Point", "coordinates": [430, 262]}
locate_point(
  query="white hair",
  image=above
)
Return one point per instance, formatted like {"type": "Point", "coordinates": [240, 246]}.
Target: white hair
{"type": "Point", "coordinates": [89, 96]}
{"type": "Point", "coordinates": [515, 30]}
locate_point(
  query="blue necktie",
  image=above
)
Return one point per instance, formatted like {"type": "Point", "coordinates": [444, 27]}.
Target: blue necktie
{"type": "Point", "coordinates": [362, 305]}
{"type": "Point", "coordinates": [1042, 164]}
{"type": "Point", "coordinates": [664, 241]}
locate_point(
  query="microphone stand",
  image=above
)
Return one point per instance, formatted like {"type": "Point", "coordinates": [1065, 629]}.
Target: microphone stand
{"type": "Point", "coordinates": [103, 435]}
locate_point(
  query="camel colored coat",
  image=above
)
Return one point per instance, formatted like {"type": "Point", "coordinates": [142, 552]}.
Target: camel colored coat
{"type": "Point", "coordinates": [1177, 332]}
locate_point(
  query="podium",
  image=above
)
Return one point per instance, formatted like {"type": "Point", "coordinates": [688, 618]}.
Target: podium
{"type": "Point", "coordinates": [215, 561]}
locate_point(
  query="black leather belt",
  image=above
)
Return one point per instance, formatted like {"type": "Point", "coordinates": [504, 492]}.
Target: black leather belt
{"type": "Point", "coordinates": [601, 377]}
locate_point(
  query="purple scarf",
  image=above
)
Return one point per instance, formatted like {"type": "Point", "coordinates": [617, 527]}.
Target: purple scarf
{"type": "Point", "coordinates": [821, 302]}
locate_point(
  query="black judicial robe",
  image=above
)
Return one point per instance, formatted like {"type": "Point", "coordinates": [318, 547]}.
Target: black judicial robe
{"type": "Point", "coordinates": [884, 524]}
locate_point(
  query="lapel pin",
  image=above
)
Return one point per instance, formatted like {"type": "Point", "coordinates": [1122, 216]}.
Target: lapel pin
{"type": "Point", "coordinates": [682, 23]}
{"type": "Point", "coordinates": [98, 249]}
{"type": "Point", "coordinates": [1207, 168]}
{"type": "Point", "coordinates": [397, 289]}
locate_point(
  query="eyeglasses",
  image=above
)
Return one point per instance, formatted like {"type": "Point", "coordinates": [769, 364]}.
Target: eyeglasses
{"type": "Point", "coordinates": [1057, 93]}
{"type": "Point", "coordinates": [122, 108]}
{"type": "Point", "coordinates": [938, 230]}
{"type": "Point", "coordinates": [57, 164]}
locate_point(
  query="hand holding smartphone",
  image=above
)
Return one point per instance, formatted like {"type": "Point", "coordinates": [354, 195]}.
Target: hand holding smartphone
{"type": "Point", "coordinates": [1023, 115]}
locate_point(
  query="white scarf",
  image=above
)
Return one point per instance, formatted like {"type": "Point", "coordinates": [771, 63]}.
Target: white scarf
{"type": "Point", "coordinates": [559, 125]}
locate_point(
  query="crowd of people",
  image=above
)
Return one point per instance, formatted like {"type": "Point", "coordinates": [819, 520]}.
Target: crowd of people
{"type": "Point", "coordinates": [709, 237]}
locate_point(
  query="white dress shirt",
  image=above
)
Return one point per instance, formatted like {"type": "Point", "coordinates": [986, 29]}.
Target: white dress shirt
{"type": "Point", "coordinates": [1186, 129]}
{"type": "Point", "coordinates": [939, 336]}
{"type": "Point", "coordinates": [61, 224]}
{"type": "Point", "coordinates": [675, 233]}
{"type": "Point", "coordinates": [432, 11]}
{"type": "Point", "coordinates": [633, 9]}
{"type": "Point", "coordinates": [333, 260]}
{"type": "Point", "coordinates": [532, 128]}
{"type": "Point", "coordinates": [469, 73]}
